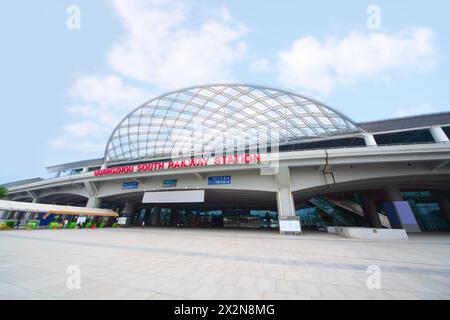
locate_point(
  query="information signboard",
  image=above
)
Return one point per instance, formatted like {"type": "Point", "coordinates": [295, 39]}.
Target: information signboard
{"type": "Point", "coordinates": [219, 180]}
{"type": "Point", "coordinates": [130, 185]}
{"type": "Point", "coordinates": [122, 221]}
{"type": "Point", "coordinates": [171, 183]}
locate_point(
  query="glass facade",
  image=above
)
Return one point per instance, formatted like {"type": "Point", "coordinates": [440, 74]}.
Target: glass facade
{"type": "Point", "coordinates": [199, 217]}
{"type": "Point", "coordinates": [426, 211]}
{"type": "Point", "coordinates": [316, 214]}
{"type": "Point", "coordinates": [310, 219]}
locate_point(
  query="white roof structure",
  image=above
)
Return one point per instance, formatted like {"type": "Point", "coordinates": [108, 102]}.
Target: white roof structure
{"type": "Point", "coordinates": [54, 209]}
{"type": "Point", "coordinates": [151, 130]}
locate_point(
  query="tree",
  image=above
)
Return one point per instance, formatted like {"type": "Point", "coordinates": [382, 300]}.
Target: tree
{"type": "Point", "coordinates": [3, 192]}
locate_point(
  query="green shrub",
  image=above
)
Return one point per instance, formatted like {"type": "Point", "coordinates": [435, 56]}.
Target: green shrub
{"type": "Point", "coordinates": [72, 225]}
{"type": "Point", "coordinates": [4, 226]}
{"type": "Point", "coordinates": [10, 224]}
{"type": "Point", "coordinates": [88, 225]}
{"type": "Point", "coordinates": [53, 225]}
{"type": "Point", "coordinates": [31, 225]}
{"type": "Point", "coordinates": [114, 225]}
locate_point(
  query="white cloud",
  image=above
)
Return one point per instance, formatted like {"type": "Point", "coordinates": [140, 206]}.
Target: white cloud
{"type": "Point", "coordinates": [261, 65]}
{"type": "Point", "coordinates": [320, 66]}
{"type": "Point", "coordinates": [161, 47]}
{"type": "Point", "coordinates": [81, 146]}
{"type": "Point", "coordinates": [102, 102]}
{"type": "Point", "coordinates": [83, 128]}
{"type": "Point", "coordinates": [101, 98]}
{"type": "Point", "coordinates": [413, 111]}
{"type": "Point", "coordinates": [105, 92]}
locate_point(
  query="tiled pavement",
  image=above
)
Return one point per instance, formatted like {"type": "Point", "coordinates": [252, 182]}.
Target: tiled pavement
{"type": "Point", "coordinates": [218, 264]}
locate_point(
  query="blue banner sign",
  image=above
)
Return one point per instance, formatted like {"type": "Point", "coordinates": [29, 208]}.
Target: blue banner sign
{"type": "Point", "coordinates": [219, 180]}
{"type": "Point", "coordinates": [172, 183]}
{"type": "Point", "coordinates": [130, 185]}
{"type": "Point", "coordinates": [46, 219]}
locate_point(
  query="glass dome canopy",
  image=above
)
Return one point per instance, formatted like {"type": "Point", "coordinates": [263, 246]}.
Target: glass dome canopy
{"type": "Point", "coordinates": [154, 129]}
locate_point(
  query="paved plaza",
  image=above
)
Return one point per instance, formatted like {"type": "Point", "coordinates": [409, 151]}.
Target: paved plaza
{"type": "Point", "coordinates": [218, 264]}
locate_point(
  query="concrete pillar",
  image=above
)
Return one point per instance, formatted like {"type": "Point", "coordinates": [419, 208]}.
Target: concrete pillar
{"type": "Point", "coordinates": [371, 212]}
{"type": "Point", "coordinates": [128, 211]}
{"type": "Point", "coordinates": [285, 203]}
{"type": "Point", "coordinates": [289, 222]}
{"type": "Point", "coordinates": [438, 134]}
{"type": "Point", "coordinates": [155, 217]}
{"type": "Point", "coordinates": [94, 202]}
{"type": "Point", "coordinates": [370, 140]}
{"type": "Point", "coordinates": [444, 206]}
{"type": "Point", "coordinates": [393, 194]}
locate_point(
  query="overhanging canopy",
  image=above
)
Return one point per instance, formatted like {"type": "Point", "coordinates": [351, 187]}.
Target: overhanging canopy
{"type": "Point", "coordinates": [54, 209]}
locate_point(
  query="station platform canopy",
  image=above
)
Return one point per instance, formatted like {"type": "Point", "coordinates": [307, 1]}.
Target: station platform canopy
{"type": "Point", "coordinates": [55, 209]}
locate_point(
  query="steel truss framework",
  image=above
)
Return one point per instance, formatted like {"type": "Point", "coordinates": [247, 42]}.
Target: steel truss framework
{"type": "Point", "coordinates": [221, 113]}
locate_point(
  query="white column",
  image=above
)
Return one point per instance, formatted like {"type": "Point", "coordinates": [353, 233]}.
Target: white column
{"type": "Point", "coordinates": [438, 134]}
{"type": "Point", "coordinates": [370, 140]}
{"type": "Point", "coordinates": [285, 200]}
{"type": "Point", "coordinates": [285, 203]}
{"type": "Point", "coordinates": [94, 202]}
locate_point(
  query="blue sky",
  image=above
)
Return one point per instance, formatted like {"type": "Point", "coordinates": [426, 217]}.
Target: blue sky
{"type": "Point", "coordinates": [64, 90]}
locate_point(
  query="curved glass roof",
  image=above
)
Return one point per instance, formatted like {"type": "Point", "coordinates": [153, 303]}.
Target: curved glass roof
{"type": "Point", "coordinates": [155, 129]}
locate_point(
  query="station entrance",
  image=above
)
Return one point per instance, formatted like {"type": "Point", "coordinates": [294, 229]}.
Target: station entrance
{"type": "Point", "coordinates": [258, 210]}
{"type": "Point", "coordinates": [220, 209]}
{"type": "Point", "coordinates": [198, 217]}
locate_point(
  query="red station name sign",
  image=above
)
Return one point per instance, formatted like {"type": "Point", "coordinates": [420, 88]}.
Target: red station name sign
{"type": "Point", "coordinates": [193, 163]}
